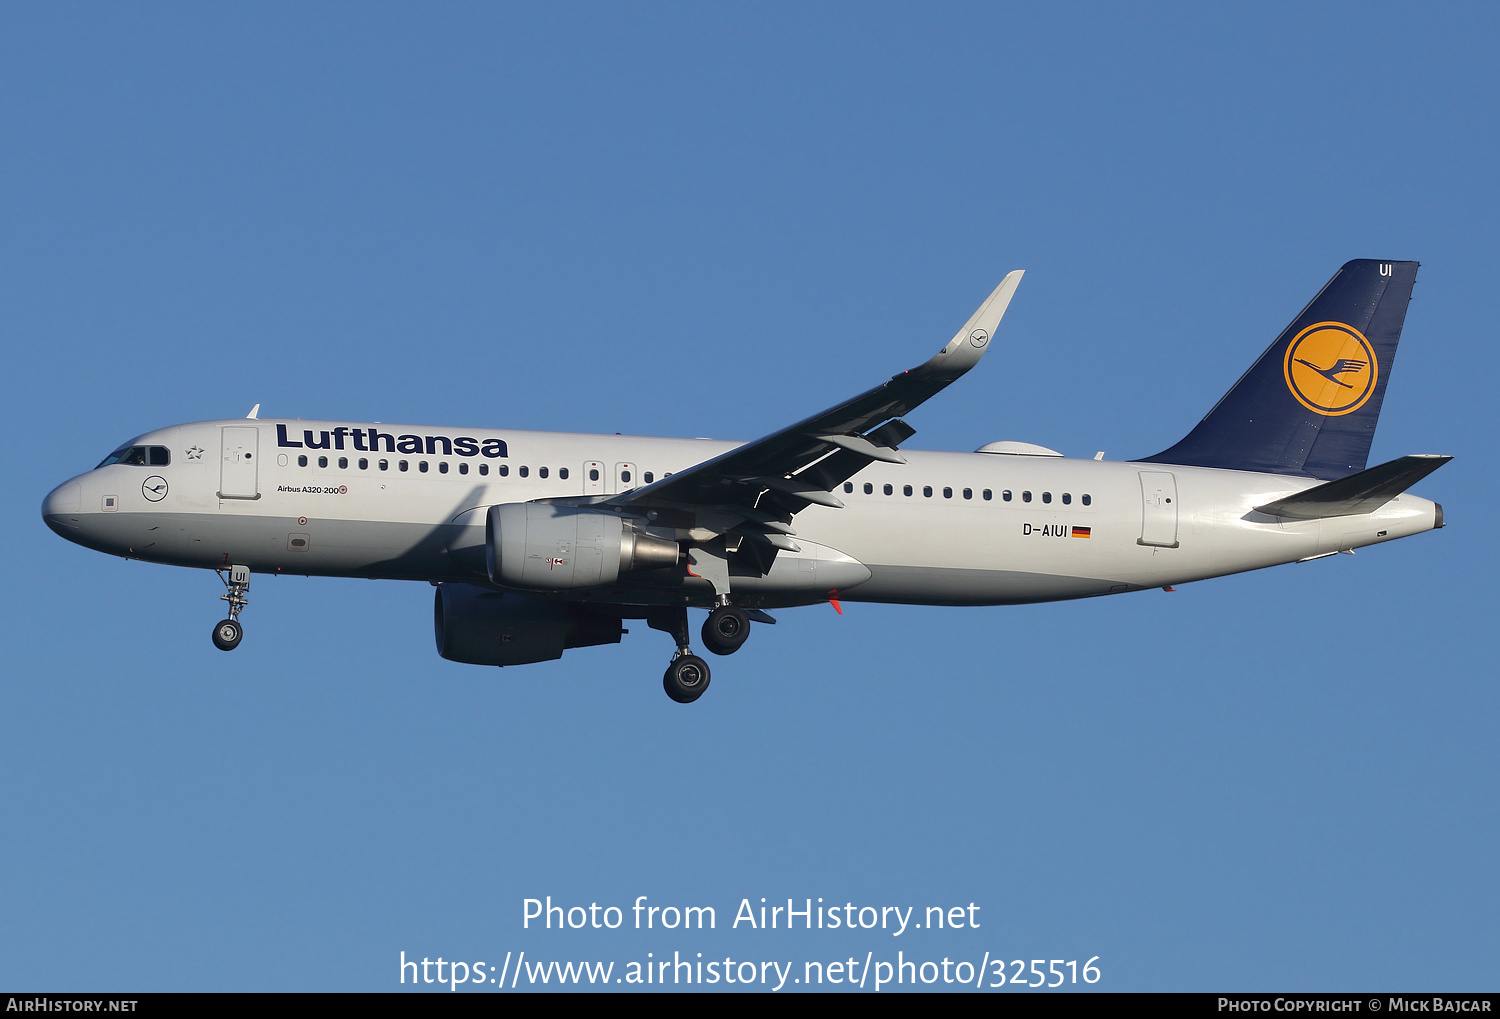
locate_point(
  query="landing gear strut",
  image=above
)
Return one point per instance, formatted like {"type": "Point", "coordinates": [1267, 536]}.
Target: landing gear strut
{"type": "Point", "coordinates": [687, 676]}
{"type": "Point", "coordinates": [228, 632]}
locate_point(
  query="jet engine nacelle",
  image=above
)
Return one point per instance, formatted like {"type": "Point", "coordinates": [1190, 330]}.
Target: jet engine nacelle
{"type": "Point", "coordinates": [484, 627]}
{"type": "Point", "coordinates": [540, 547]}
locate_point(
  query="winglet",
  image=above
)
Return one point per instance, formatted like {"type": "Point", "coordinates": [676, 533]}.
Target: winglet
{"type": "Point", "coordinates": [969, 343]}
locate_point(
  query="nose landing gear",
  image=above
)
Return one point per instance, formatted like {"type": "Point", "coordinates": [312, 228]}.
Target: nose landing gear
{"type": "Point", "coordinates": [228, 632]}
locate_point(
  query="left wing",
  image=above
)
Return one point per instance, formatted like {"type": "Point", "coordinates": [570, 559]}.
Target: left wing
{"type": "Point", "coordinates": [755, 489]}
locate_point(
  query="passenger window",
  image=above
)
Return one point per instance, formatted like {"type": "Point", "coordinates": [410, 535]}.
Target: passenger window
{"type": "Point", "coordinates": [988, 495]}
{"type": "Point", "coordinates": [906, 490]}
{"type": "Point", "coordinates": [593, 474]}
{"type": "Point", "coordinates": [161, 457]}
{"type": "Point", "coordinates": [869, 488]}
{"type": "Point", "coordinates": [968, 493]}
{"type": "Point", "coordinates": [1005, 495]}
{"type": "Point", "coordinates": [463, 468]}
{"type": "Point", "coordinates": [1087, 500]}
{"type": "Point", "coordinates": [344, 463]}
{"type": "Point", "coordinates": [849, 487]}
{"type": "Point", "coordinates": [1046, 497]}
{"type": "Point", "coordinates": [443, 467]}
{"type": "Point", "coordinates": [422, 466]}
{"type": "Point", "coordinates": [503, 470]}
{"type": "Point", "coordinates": [947, 493]}
{"type": "Point", "coordinates": [302, 460]}
{"type": "Point", "coordinates": [484, 468]}
{"type": "Point", "coordinates": [889, 489]}
{"type": "Point", "coordinates": [523, 471]}
{"type": "Point", "coordinates": [364, 464]}
{"type": "Point", "coordinates": [1067, 499]}
{"type": "Point", "coordinates": [402, 465]}
{"type": "Point", "coordinates": [385, 465]}
{"type": "Point", "coordinates": [650, 477]}
{"type": "Point", "coordinates": [322, 461]}
{"type": "Point", "coordinates": [541, 472]}
{"type": "Point", "coordinates": [1025, 496]}
{"type": "Point", "coordinates": [927, 491]}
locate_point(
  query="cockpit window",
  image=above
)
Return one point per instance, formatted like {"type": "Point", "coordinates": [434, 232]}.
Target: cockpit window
{"type": "Point", "coordinates": [118, 456]}
{"type": "Point", "coordinates": [139, 456]}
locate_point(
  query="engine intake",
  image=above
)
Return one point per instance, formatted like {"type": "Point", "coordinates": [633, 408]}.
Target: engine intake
{"type": "Point", "coordinates": [541, 547]}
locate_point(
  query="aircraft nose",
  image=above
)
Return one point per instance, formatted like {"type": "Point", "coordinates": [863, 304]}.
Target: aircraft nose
{"type": "Point", "coordinates": [62, 506]}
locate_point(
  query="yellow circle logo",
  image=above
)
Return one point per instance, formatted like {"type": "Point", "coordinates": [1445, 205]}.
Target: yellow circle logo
{"type": "Point", "coordinates": [1330, 368]}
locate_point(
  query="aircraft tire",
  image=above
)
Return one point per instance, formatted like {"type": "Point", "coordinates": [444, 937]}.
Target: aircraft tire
{"type": "Point", "coordinates": [726, 629]}
{"type": "Point", "coordinates": [686, 679]}
{"type": "Point", "coordinates": [227, 635]}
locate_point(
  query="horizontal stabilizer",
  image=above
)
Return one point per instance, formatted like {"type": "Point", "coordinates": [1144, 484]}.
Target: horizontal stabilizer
{"type": "Point", "coordinates": [1364, 492]}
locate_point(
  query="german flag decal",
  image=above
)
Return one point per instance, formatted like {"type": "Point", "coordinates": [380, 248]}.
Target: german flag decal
{"type": "Point", "coordinates": [1082, 532]}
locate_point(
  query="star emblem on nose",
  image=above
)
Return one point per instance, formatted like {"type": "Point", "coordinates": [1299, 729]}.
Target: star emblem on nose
{"type": "Point", "coordinates": [195, 452]}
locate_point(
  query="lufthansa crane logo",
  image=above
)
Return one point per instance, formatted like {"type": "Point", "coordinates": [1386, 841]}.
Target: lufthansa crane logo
{"type": "Point", "coordinates": [979, 337]}
{"type": "Point", "coordinates": [1331, 368]}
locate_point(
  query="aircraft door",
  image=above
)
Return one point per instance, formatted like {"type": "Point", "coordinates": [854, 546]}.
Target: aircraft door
{"type": "Point", "coordinates": [239, 459]}
{"type": "Point", "coordinates": [593, 478]}
{"type": "Point", "coordinates": [626, 477]}
{"type": "Point", "coordinates": [1158, 509]}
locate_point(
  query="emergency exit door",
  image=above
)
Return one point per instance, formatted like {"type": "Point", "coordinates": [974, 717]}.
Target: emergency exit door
{"type": "Point", "coordinates": [625, 478]}
{"type": "Point", "coordinates": [593, 478]}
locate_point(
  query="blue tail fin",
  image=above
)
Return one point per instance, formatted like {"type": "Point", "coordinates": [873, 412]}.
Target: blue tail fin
{"type": "Point", "coordinates": [1309, 405]}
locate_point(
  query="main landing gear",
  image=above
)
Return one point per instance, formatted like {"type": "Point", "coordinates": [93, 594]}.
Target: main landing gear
{"type": "Point", "coordinates": [726, 629]}
{"type": "Point", "coordinates": [228, 632]}
{"type": "Point", "coordinates": [686, 678]}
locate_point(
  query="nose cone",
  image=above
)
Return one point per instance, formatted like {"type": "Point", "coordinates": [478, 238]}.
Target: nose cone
{"type": "Point", "coordinates": [62, 507]}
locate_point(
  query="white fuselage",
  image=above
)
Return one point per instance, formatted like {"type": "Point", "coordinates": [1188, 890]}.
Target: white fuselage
{"type": "Point", "coordinates": [944, 528]}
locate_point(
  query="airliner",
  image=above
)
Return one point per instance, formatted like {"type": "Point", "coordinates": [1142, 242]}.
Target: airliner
{"type": "Point", "coordinates": [537, 542]}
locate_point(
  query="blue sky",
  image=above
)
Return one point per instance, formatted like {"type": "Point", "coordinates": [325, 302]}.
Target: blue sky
{"type": "Point", "coordinates": [713, 220]}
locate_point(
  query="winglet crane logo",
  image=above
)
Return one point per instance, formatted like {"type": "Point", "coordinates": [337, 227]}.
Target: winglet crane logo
{"type": "Point", "coordinates": [1331, 368]}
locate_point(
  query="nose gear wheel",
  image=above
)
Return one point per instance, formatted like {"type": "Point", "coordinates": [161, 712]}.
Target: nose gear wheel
{"type": "Point", "coordinates": [227, 632]}
{"type": "Point", "coordinates": [227, 635]}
